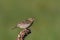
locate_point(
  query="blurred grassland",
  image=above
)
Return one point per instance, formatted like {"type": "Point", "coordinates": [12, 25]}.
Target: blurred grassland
{"type": "Point", "coordinates": [46, 13]}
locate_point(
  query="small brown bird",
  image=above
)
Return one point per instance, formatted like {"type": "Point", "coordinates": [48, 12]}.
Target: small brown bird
{"type": "Point", "coordinates": [25, 24]}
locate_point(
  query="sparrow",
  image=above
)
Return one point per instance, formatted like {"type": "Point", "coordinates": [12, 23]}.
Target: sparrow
{"type": "Point", "coordinates": [25, 23]}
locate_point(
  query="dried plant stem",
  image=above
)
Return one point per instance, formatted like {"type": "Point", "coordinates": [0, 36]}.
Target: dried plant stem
{"type": "Point", "coordinates": [23, 34]}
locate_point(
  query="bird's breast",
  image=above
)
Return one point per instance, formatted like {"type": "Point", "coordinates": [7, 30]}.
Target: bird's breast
{"type": "Point", "coordinates": [23, 25]}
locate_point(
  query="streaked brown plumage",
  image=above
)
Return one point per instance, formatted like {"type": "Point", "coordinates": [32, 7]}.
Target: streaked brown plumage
{"type": "Point", "coordinates": [26, 23]}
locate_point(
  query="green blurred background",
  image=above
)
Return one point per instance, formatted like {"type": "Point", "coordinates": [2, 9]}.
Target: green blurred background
{"type": "Point", "coordinates": [46, 13]}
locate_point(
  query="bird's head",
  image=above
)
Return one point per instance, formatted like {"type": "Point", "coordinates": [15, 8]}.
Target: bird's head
{"type": "Point", "coordinates": [31, 19]}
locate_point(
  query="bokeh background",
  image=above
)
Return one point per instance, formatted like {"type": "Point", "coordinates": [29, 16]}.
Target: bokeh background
{"type": "Point", "coordinates": [46, 13]}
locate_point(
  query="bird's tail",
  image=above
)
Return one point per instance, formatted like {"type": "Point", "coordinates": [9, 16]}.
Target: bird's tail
{"type": "Point", "coordinates": [14, 27]}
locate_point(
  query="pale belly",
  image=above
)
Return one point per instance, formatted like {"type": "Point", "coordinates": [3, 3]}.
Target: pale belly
{"type": "Point", "coordinates": [23, 26]}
